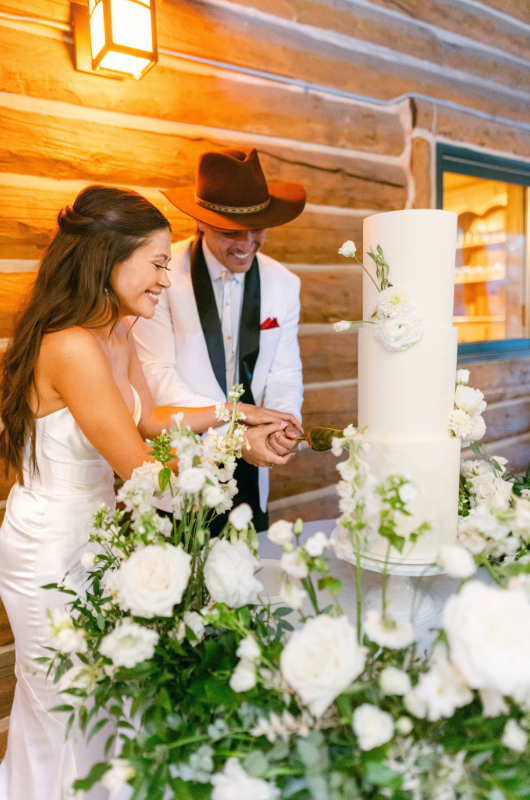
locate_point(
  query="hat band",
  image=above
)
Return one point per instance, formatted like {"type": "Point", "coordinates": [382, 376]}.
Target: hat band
{"type": "Point", "coordinates": [232, 209]}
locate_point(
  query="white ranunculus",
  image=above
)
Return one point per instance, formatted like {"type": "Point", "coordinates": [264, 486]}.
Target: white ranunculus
{"type": "Point", "coordinates": [399, 333]}
{"type": "Point", "coordinates": [469, 400]}
{"type": "Point", "coordinates": [281, 532]}
{"type": "Point", "coordinates": [493, 703]}
{"type": "Point", "coordinates": [233, 783]}
{"type": "Point", "coordinates": [478, 428]}
{"type": "Point", "coordinates": [343, 325]}
{"type": "Point", "coordinates": [488, 630]}
{"type": "Point", "coordinates": [292, 595]}
{"type": "Point", "coordinates": [316, 544]}
{"type": "Point", "coordinates": [461, 424]}
{"type": "Point", "coordinates": [372, 726]}
{"type": "Point", "coordinates": [88, 560]}
{"type": "Point", "coordinates": [462, 377]}
{"type": "Point", "coordinates": [407, 493]}
{"type": "Point", "coordinates": [81, 676]}
{"type": "Point", "coordinates": [348, 249]}
{"type": "Point", "coordinates": [387, 632]}
{"type": "Point", "coordinates": [404, 725]}
{"type": "Point", "coordinates": [117, 776]}
{"type": "Point", "coordinates": [192, 480]}
{"type": "Point", "coordinates": [153, 580]}
{"type": "Point", "coordinates": [321, 660]}
{"type": "Point", "coordinates": [394, 681]}
{"type": "Point", "coordinates": [229, 574]}
{"type": "Point", "coordinates": [443, 688]}
{"type": "Point", "coordinates": [248, 649]}
{"type": "Point", "coordinates": [392, 302]}
{"type": "Point", "coordinates": [194, 621]}
{"type": "Point", "coordinates": [293, 564]}
{"type": "Point", "coordinates": [240, 517]}
{"type": "Point", "coordinates": [243, 677]}
{"type": "Point", "coordinates": [514, 737]}
{"type": "Point", "coordinates": [66, 638]}
{"type": "Point", "coordinates": [456, 561]}
{"type": "Point", "coordinates": [129, 644]}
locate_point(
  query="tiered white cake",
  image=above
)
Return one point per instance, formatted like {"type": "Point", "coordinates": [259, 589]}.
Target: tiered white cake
{"type": "Point", "coordinates": [406, 397]}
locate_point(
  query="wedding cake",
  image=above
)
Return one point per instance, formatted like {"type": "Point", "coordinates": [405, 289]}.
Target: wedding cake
{"type": "Point", "coordinates": [406, 396]}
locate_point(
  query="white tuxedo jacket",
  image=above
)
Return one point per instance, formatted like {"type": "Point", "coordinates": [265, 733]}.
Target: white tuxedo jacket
{"type": "Point", "coordinates": [175, 358]}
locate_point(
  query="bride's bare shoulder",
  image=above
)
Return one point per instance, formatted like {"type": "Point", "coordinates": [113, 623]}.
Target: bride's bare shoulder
{"type": "Point", "coordinates": [75, 342]}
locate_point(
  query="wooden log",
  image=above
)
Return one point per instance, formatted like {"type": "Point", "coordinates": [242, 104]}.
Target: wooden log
{"type": "Point", "coordinates": [182, 91]}
{"type": "Point", "coordinates": [420, 164]}
{"type": "Point", "coordinates": [56, 10]}
{"type": "Point", "coordinates": [14, 290]}
{"type": "Point", "coordinates": [333, 407]}
{"type": "Point", "coordinates": [331, 295]}
{"type": "Point", "coordinates": [328, 356]}
{"type": "Point", "coordinates": [313, 238]}
{"type": "Point", "coordinates": [507, 418]}
{"type": "Point", "coordinates": [6, 636]}
{"type": "Point", "coordinates": [7, 688]}
{"type": "Point", "coordinates": [501, 380]}
{"type": "Point", "coordinates": [3, 743]}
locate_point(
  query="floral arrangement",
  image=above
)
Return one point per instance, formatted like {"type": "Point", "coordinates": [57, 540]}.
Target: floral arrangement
{"type": "Point", "coordinates": [399, 324]}
{"type": "Point", "coordinates": [466, 421]}
{"type": "Point", "coordinates": [210, 693]}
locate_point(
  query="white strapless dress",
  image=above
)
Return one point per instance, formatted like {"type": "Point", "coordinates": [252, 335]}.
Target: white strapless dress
{"type": "Point", "coordinates": [44, 533]}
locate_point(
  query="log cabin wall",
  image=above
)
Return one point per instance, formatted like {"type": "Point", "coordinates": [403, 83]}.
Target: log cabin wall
{"type": "Point", "coordinates": [348, 97]}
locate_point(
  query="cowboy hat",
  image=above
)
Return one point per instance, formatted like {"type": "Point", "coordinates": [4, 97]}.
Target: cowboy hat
{"type": "Point", "coordinates": [231, 193]}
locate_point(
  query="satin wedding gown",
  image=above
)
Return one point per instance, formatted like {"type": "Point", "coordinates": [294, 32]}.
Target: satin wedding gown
{"type": "Point", "coordinates": [44, 534]}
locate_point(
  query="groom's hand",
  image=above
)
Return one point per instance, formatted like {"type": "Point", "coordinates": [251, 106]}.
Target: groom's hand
{"type": "Point", "coordinates": [284, 441]}
{"type": "Point", "coordinates": [260, 453]}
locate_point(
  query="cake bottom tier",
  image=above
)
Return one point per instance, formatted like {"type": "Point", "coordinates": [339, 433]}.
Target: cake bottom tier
{"type": "Point", "coordinates": [434, 468]}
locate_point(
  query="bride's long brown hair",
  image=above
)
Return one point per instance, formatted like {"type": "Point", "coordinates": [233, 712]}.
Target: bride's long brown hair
{"type": "Point", "coordinates": [73, 287]}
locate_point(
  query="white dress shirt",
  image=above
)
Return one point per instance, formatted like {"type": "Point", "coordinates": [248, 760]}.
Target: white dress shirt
{"type": "Point", "coordinates": [228, 289]}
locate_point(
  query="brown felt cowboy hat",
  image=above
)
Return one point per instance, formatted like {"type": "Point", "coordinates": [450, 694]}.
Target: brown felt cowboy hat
{"type": "Point", "coordinates": [231, 193]}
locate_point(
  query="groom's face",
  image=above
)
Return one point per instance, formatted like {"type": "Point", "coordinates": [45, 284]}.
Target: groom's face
{"type": "Point", "coordinates": [235, 250]}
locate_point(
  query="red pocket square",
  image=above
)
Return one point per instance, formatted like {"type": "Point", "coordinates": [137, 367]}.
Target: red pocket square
{"type": "Point", "coordinates": [270, 323]}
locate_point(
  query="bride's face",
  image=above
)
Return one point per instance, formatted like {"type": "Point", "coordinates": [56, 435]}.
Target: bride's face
{"type": "Point", "coordinates": [139, 281]}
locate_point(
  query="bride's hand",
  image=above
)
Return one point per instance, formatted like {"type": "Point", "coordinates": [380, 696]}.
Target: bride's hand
{"type": "Point", "coordinates": [260, 454]}
{"type": "Point", "coordinates": [255, 415]}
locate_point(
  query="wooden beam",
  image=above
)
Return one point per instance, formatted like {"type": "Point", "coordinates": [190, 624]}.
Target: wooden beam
{"type": "Point", "coordinates": [328, 356]}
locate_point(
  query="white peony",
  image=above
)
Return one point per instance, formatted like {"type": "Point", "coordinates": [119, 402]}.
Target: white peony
{"type": "Point", "coordinates": [88, 560]}
{"type": "Point", "coordinates": [129, 644]}
{"type": "Point", "coordinates": [81, 676]}
{"type": "Point", "coordinates": [348, 249]}
{"type": "Point", "coordinates": [456, 561]}
{"type": "Point", "coordinates": [233, 783]}
{"type": "Point", "coordinates": [281, 532]}
{"type": "Point", "coordinates": [316, 544]}
{"type": "Point", "coordinates": [493, 703]}
{"type": "Point", "coordinates": [117, 776]}
{"type": "Point", "coordinates": [293, 564]}
{"type": "Point", "coordinates": [66, 638]}
{"type": "Point", "coordinates": [387, 632]}
{"type": "Point", "coordinates": [399, 333]}
{"type": "Point", "coordinates": [240, 517]}
{"type": "Point", "coordinates": [392, 302]}
{"type": "Point", "coordinates": [243, 677]}
{"type": "Point", "coordinates": [462, 376]}
{"type": "Point", "coordinates": [372, 726]}
{"type": "Point", "coordinates": [343, 325]}
{"type": "Point", "coordinates": [469, 400]}
{"type": "Point", "coordinates": [191, 480]}
{"type": "Point", "coordinates": [292, 595]}
{"type": "Point", "coordinates": [394, 681]}
{"type": "Point", "coordinates": [153, 580]}
{"type": "Point", "coordinates": [443, 688]}
{"type": "Point", "coordinates": [229, 574]}
{"type": "Point", "coordinates": [514, 737]}
{"type": "Point", "coordinates": [488, 630]}
{"type": "Point", "coordinates": [321, 660]}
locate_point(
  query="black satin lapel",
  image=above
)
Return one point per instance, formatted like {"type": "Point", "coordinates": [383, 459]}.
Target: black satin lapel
{"type": "Point", "coordinates": [249, 331]}
{"type": "Point", "coordinates": [208, 313]}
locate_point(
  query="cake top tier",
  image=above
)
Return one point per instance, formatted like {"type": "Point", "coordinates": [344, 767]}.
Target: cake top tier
{"type": "Point", "coordinates": [419, 245]}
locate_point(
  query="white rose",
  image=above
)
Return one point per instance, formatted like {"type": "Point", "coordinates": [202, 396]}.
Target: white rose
{"type": "Point", "coordinates": [372, 726]}
{"type": "Point", "coordinates": [194, 621]}
{"type": "Point", "coordinates": [233, 783]}
{"type": "Point", "coordinates": [316, 544]}
{"type": "Point", "coordinates": [514, 737]}
{"type": "Point", "coordinates": [129, 644]}
{"type": "Point", "coordinates": [192, 480]}
{"type": "Point", "coordinates": [462, 376]}
{"type": "Point", "coordinates": [153, 580]}
{"type": "Point", "coordinates": [399, 333]}
{"type": "Point", "coordinates": [486, 486]}
{"type": "Point", "coordinates": [81, 676]}
{"type": "Point", "coordinates": [407, 493]}
{"type": "Point", "coordinates": [493, 703]}
{"type": "Point", "coordinates": [343, 325]}
{"type": "Point", "coordinates": [321, 660]}
{"type": "Point", "coordinates": [248, 649]}
{"type": "Point", "coordinates": [243, 677]}
{"type": "Point", "coordinates": [88, 560]}
{"type": "Point", "coordinates": [117, 776]}
{"type": "Point", "coordinates": [348, 249]}
{"type": "Point", "coordinates": [394, 681]}
{"type": "Point", "coordinates": [229, 574]}
{"type": "Point", "coordinates": [292, 595]}
{"type": "Point", "coordinates": [240, 517]}
{"type": "Point", "coordinates": [281, 532]}
{"type": "Point", "coordinates": [294, 564]}
{"type": "Point", "coordinates": [469, 400]}
{"type": "Point", "coordinates": [404, 725]}
{"type": "Point", "coordinates": [443, 688]}
{"type": "Point", "coordinates": [392, 302]}
{"type": "Point", "coordinates": [387, 632]}
{"type": "Point", "coordinates": [488, 630]}
{"type": "Point", "coordinates": [456, 561]}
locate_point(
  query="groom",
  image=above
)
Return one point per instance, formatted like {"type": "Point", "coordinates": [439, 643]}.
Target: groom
{"type": "Point", "coordinates": [230, 315]}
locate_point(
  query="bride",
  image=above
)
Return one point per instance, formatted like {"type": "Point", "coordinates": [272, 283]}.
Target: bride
{"type": "Point", "coordinates": [76, 407]}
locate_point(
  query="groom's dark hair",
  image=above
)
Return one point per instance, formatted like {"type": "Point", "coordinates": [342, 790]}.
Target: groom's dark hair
{"type": "Point", "coordinates": [103, 228]}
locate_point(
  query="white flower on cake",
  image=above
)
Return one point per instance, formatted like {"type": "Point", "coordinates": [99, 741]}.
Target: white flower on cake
{"type": "Point", "coordinates": [348, 249]}
{"type": "Point", "coordinates": [394, 681]}
{"type": "Point", "coordinates": [281, 532]}
{"type": "Point", "coordinates": [386, 632]}
{"type": "Point", "coordinates": [229, 574]}
{"type": "Point", "coordinates": [240, 517]}
{"type": "Point", "coordinates": [393, 301]}
{"type": "Point", "coordinates": [470, 400]}
{"type": "Point", "coordinates": [456, 561]}
{"type": "Point", "coordinates": [462, 377]}
{"type": "Point", "coordinates": [343, 325]}
{"type": "Point", "coordinates": [488, 630]}
{"type": "Point", "coordinates": [117, 776]}
{"type": "Point", "coordinates": [399, 332]}
{"type": "Point", "coordinates": [372, 726]}
{"type": "Point", "coordinates": [233, 783]}
{"type": "Point", "coordinates": [514, 737]}
{"type": "Point", "coordinates": [465, 421]}
{"type": "Point", "coordinates": [153, 580]}
{"type": "Point", "coordinates": [321, 660]}
{"type": "Point", "coordinates": [129, 644]}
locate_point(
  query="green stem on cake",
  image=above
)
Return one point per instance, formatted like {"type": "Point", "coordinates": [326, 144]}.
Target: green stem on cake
{"type": "Point", "coordinates": [370, 276]}
{"type": "Point", "coordinates": [358, 584]}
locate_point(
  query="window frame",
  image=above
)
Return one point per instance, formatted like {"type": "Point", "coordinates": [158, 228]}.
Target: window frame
{"type": "Point", "coordinates": [464, 161]}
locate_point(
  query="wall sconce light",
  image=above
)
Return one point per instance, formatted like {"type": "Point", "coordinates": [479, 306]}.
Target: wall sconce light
{"type": "Point", "coordinates": [115, 37]}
